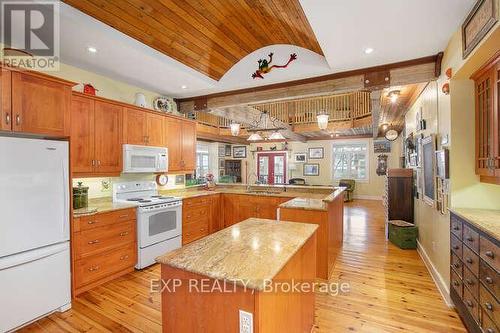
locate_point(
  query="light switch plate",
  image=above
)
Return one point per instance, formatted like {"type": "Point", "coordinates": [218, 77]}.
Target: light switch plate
{"type": "Point", "coordinates": [246, 322]}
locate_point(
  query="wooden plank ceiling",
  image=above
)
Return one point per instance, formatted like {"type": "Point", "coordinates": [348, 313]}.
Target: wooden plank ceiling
{"type": "Point", "coordinates": [208, 35]}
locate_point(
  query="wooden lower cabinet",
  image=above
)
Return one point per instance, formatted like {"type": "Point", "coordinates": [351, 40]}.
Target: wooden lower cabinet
{"type": "Point", "coordinates": [239, 207]}
{"type": "Point", "coordinates": [104, 247]}
{"type": "Point", "coordinates": [200, 217]}
{"type": "Point", "coordinates": [475, 276]}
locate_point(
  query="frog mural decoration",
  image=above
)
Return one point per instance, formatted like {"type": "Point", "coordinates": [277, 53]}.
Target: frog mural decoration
{"type": "Point", "coordinates": [265, 65]}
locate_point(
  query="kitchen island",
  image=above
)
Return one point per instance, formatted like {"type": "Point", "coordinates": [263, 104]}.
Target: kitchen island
{"type": "Point", "coordinates": [249, 266]}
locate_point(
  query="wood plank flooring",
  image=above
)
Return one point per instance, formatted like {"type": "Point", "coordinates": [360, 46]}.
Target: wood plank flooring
{"type": "Point", "coordinates": [390, 291]}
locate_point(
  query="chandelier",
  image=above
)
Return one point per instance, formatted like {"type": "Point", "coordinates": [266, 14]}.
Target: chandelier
{"type": "Point", "coordinates": [265, 124]}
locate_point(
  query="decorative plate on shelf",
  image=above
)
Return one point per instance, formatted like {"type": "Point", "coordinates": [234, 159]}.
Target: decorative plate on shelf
{"type": "Point", "coordinates": [163, 104]}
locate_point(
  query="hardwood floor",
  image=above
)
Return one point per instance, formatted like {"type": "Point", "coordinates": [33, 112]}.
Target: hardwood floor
{"type": "Point", "coordinates": [390, 291]}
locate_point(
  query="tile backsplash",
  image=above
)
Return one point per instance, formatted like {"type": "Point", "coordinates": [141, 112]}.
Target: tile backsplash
{"type": "Point", "coordinates": [103, 186]}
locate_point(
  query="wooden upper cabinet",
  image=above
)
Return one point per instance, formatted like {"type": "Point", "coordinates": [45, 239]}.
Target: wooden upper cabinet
{"type": "Point", "coordinates": [188, 145]}
{"type": "Point", "coordinates": [143, 128]}
{"type": "Point", "coordinates": [173, 142]}
{"type": "Point", "coordinates": [5, 100]}
{"type": "Point", "coordinates": [155, 130]}
{"type": "Point", "coordinates": [108, 137]}
{"type": "Point", "coordinates": [487, 86]}
{"type": "Point", "coordinates": [40, 105]}
{"type": "Point", "coordinates": [82, 135]}
{"type": "Point", "coordinates": [134, 126]}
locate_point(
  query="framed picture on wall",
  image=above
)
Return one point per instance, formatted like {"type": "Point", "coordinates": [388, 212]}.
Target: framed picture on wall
{"type": "Point", "coordinates": [239, 151]}
{"type": "Point", "coordinates": [428, 163]}
{"type": "Point", "coordinates": [228, 150]}
{"type": "Point", "coordinates": [300, 157]}
{"type": "Point", "coordinates": [381, 146]}
{"type": "Point", "coordinates": [316, 153]}
{"type": "Point", "coordinates": [221, 172]}
{"type": "Point", "coordinates": [222, 151]}
{"type": "Point", "coordinates": [311, 169]}
{"type": "Point", "coordinates": [222, 163]}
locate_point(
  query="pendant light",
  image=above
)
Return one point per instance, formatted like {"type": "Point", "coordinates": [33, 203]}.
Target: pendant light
{"type": "Point", "coordinates": [255, 137]}
{"type": "Point", "coordinates": [322, 118]}
{"type": "Point", "coordinates": [276, 136]}
{"type": "Point", "coordinates": [235, 129]}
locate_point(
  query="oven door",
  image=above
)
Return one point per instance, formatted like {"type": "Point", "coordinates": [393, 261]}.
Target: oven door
{"type": "Point", "coordinates": [159, 224]}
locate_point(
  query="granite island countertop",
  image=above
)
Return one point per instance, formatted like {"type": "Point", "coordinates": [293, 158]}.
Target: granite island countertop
{"type": "Point", "coordinates": [253, 251]}
{"type": "Point", "coordinates": [487, 220]}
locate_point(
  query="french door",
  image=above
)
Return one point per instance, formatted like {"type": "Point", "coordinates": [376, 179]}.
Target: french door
{"type": "Point", "coordinates": [271, 168]}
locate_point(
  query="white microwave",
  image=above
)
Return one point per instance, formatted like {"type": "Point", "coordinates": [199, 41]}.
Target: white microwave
{"type": "Point", "coordinates": [144, 159]}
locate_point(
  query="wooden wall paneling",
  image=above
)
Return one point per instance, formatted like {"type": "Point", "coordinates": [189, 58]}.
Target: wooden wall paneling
{"type": "Point", "coordinates": [5, 99]}
{"type": "Point", "coordinates": [82, 135]}
{"type": "Point", "coordinates": [108, 137]}
{"type": "Point", "coordinates": [40, 105]}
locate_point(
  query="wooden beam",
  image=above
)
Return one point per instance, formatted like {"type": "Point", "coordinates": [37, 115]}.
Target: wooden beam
{"type": "Point", "coordinates": [214, 134]}
{"type": "Point", "coordinates": [333, 126]}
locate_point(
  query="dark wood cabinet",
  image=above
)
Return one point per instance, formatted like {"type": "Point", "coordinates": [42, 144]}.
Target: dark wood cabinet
{"type": "Point", "coordinates": [400, 195]}
{"type": "Point", "coordinates": [487, 101]}
{"type": "Point", "coordinates": [475, 275]}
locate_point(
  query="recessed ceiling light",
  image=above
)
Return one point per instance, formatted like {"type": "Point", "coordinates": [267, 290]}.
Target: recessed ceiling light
{"type": "Point", "coordinates": [368, 50]}
{"type": "Point", "coordinates": [184, 86]}
{"type": "Point", "coordinates": [92, 49]}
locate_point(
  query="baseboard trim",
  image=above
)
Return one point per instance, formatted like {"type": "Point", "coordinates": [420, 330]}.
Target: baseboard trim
{"type": "Point", "coordinates": [367, 197]}
{"type": "Point", "coordinates": [436, 277]}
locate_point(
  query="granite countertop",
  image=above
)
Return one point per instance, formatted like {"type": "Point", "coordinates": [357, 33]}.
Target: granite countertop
{"type": "Point", "coordinates": [101, 205]}
{"type": "Point", "coordinates": [285, 186]}
{"type": "Point", "coordinates": [305, 203]}
{"type": "Point", "coordinates": [247, 253]}
{"type": "Point", "coordinates": [486, 220]}
{"type": "Point", "coordinates": [185, 194]}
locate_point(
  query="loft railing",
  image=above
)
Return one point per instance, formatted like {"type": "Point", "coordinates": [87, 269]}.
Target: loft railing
{"type": "Point", "coordinates": [339, 107]}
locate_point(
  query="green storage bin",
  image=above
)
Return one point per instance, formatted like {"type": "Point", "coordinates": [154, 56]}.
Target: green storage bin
{"type": "Point", "coordinates": [403, 234]}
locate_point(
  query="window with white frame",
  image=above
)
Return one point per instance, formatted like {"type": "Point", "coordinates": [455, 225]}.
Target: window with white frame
{"type": "Point", "coordinates": [202, 160]}
{"type": "Point", "coordinates": [350, 161]}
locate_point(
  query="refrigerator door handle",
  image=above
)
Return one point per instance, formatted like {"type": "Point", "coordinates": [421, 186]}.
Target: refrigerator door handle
{"type": "Point", "coordinates": [65, 226]}
{"type": "Point", "coordinates": [33, 255]}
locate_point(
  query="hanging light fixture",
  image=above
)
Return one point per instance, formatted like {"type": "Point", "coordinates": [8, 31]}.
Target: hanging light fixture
{"type": "Point", "coordinates": [235, 129]}
{"type": "Point", "coordinates": [393, 95]}
{"type": "Point", "coordinates": [255, 137]}
{"type": "Point", "coordinates": [322, 118]}
{"type": "Point", "coordinates": [276, 136]}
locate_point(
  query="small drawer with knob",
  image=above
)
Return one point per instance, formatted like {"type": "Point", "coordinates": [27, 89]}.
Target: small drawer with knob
{"type": "Point", "coordinates": [471, 238]}
{"type": "Point", "coordinates": [457, 265]}
{"type": "Point", "coordinates": [194, 231]}
{"type": "Point", "coordinates": [456, 226]}
{"type": "Point", "coordinates": [490, 305]}
{"type": "Point", "coordinates": [471, 304]}
{"type": "Point", "coordinates": [490, 278]}
{"type": "Point", "coordinates": [471, 282]}
{"type": "Point", "coordinates": [487, 324]}
{"type": "Point", "coordinates": [489, 252]}
{"type": "Point", "coordinates": [471, 260]}
{"type": "Point", "coordinates": [456, 246]}
{"type": "Point", "coordinates": [195, 213]}
{"type": "Point", "coordinates": [103, 219]}
{"type": "Point", "coordinates": [456, 283]}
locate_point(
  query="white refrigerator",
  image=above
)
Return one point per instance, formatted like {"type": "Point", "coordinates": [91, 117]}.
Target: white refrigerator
{"type": "Point", "coordinates": [34, 230]}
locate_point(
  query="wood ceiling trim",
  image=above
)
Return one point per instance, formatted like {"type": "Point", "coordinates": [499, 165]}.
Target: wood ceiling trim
{"type": "Point", "coordinates": [210, 36]}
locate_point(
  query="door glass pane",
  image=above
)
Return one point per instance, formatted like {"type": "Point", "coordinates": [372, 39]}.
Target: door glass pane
{"type": "Point", "coordinates": [162, 222]}
{"type": "Point", "coordinates": [263, 169]}
{"type": "Point", "coordinates": [279, 169]}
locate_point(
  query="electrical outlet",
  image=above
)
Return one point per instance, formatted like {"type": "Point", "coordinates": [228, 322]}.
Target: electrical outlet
{"type": "Point", "coordinates": [246, 322]}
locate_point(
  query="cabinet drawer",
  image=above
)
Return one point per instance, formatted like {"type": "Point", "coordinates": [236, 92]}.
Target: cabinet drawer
{"type": "Point", "coordinates": [471, 282]}
{"type": "Point", "coordinates": [194, 231]}
{"type": "Point", "coordinates": [471, 238]}
{"type": "Point", "coordinates": [100, 266]}
{"type": "Point", "coordinates": [196, 213]}
{"type": "Point", "coordinates": [203, 200]}
{"type": "Point", "coordinates": [456, 246]}
{"type": "Point", "coordinates": [456, 283]}
{"type": "Point", "coordinates": [102, 219]}
{"type": "Point", "coordinates": [471, 304]}
{"type": "Point", "coordinates": [456, 226]}
{"type": "Point", "coordinates": [471, 260]}
{"type": "Point", "coordinates": [487, 324]}
{"type": "Point", "coordinates": [490, 253]}
{"type": "Point", "coordinates": [490, 305]}
{"type": "Point", "coordinates": [490, 278]}
{"type": "Point", "coordinates": [457, 265]}
{"type": "Point", "coordinates": [105, 238]}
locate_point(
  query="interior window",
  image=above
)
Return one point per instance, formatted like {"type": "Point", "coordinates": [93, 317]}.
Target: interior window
{"type": "Point", "coordinates": [202, 160]}
{"type": "Point", "coordinates": [350, 160]}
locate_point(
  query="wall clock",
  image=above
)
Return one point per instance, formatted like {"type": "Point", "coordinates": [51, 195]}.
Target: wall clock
{"type": "Point", "coordinates": [162, 180]}
{"type": "Point", "coordinates": [391, 134]}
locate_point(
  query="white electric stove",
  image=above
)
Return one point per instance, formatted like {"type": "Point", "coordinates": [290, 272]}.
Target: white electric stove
{"type": "Point", "coordinates": [159, 219]}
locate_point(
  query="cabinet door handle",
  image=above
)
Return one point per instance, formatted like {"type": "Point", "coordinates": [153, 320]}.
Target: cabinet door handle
{"type": "Point", "coordinates": [124, 233]}
{"type": "Point", "coordinates": [469, 282]}
{"type": "Point", "coordinates": [490, 254]}
{"type": "Point", "coordinates": [7, 118]}
{"type": "Point", "coordinates": [98, 162]}
{"type": "Point", "coordinates": [470, 239]}
{"type": "Point", "coordinates": [95, 268]}
{"type": "Point", "coordinates": [124, 216]}
{"type": "Point", "coordinates": [18, 119]}
{"type": "Point", "coordinates": [456, 228]}
{"type": "Point", "coordinates": [91, 222]}
{"type": "Point", "coordinates": [456, 265]}
{"type": "Point", "coordinates": [455, 247]}
{"type": "Point", "coordinates": [489, 280]}
{"type": "Point", "coordinates": [469, 304]}
{"type": "Point", "coordinates": [488, 306]}
{"type": "Point", "coordinates": [469, 260]}
{"type": "Point", "coordinates": [95, 241]}
{"type": "Point", "coordinates": [456, 283]}
{"type": "Point", "coordinates": [490, 330]}
{"type": "Point", "coordinates": [124, 257]}
{"type": "Point", "coordinates": [93, 162]}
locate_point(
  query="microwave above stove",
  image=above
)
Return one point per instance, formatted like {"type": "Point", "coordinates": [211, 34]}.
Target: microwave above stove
{"type": "Point", "coordinates": [144, 159]}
